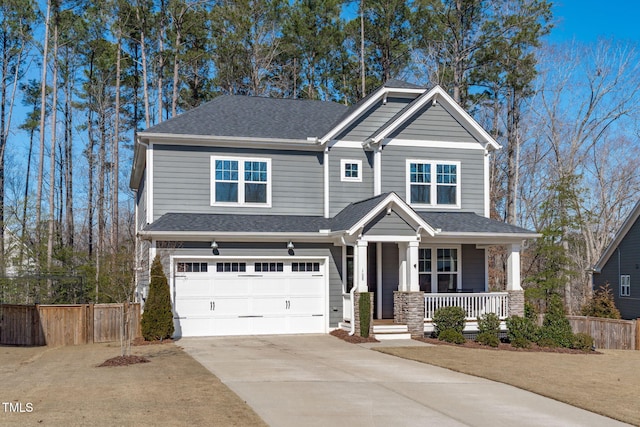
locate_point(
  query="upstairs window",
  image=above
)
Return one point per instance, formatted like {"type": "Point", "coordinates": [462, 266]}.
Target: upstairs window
{"type": "Point", "coordinates": [351, 170]}
{"type": "Point", "coordinates": [239, 181]}
{"type": "Point", "coordinates": [433, 183]}
{"type": "Point", "coordinates": [625, 285]}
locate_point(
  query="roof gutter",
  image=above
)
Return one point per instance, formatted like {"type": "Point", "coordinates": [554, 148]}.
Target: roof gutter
{"type": "Point", "coordinates": [310, 143]}
{"type": "Point", "coordinates": [205, 236]}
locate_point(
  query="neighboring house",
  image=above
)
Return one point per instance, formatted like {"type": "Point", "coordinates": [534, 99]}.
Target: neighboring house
{"type": "Point", "coordinates": [274, 215]}
{"type": "Point", "coordinates": [619, 266]}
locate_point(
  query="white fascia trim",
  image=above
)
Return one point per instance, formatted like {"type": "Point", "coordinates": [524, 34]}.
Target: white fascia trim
{"type": "Point", "coordinates": [377, 96]}
{"type": "Point", "coordinates": [622, 233]}
{"type": "Point", "coordinates": [149, 179]}
{"type": "Point", "coordinates": [433, 144]}
{"type": "Point", "coordinates": [402, 206]}
{"type": "Point", "coordinates": [459, 112]}
{"type": "Point", "coordinates": [201, 236]}
{"type": "Point", "coordinates": [309, 144]}
{"type": "Point", "coordinates": [374, 238]}
{"type": "Point", "coordinates": [484, 239]}
{"type": "Point", "coordinates": [345, 144]}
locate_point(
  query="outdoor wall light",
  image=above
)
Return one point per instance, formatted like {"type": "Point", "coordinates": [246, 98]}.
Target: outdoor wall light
{"type": "Point", "coordinates": [214, 245]}
{"type": "Point", "coordinates": [290, 246]}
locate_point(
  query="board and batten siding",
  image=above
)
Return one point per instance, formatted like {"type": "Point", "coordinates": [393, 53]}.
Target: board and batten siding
{"type": "Point", "coordinates": [342, 193]}
{"type": "Point", "coordinates": [182, 181]}
{"type": "Point", "coordinates": [473, 269]}
{"type": "Point", "coordinates": [256, 250]}
{"type": "Point", "coordinates": [433, 123]}
{"type": "Point", "coordinates": [374, 118]}
{"type": "Point", "coordinates": [624, 260]}
{"type": "Point", "coordinates": [394, 172]}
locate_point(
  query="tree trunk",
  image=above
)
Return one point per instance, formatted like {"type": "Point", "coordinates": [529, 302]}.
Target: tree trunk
{"type": "Point", "coordinates": [115, 155]}
{"type": "Point", "coordinates": [52, 165]}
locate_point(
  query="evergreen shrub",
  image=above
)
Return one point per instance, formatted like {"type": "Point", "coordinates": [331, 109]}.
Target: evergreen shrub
{"type": "Point", "coordinates": [452, 336]}
{"type": "Point", "coordinates": [556, 328]}
{"type": "Point", "coordinates": [449, 318]}
{"type": "Point", "coordinates": [601, 304]}
{"type": "Point", "coordinates": [157, 318]}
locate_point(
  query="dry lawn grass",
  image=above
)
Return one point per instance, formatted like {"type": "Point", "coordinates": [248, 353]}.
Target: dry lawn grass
{"type": "Point", "coordinates": [608, 383]}
{"type": "Point", "coordinates": [66, 387]}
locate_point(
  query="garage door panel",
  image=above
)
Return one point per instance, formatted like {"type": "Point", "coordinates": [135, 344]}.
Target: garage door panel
{"type": "Point", "coordinates": [277, 301]}
{"type": "Point", "coordinates": [231, 286]}
{"type": "Point", "coordinates": [190, 286]}
{"type": "Point", "coordinates": [231, 306]}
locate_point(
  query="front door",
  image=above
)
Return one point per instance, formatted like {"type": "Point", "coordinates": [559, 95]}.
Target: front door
{"type": "Point", "coordinates": [390, 277]}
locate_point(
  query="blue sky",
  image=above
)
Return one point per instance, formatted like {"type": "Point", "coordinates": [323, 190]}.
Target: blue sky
{"type": "Point", "coordinates": [587, 20]}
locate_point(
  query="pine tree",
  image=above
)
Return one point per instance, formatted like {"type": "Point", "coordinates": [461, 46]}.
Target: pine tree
{"type": "Point", "coordinates": [157, 319]}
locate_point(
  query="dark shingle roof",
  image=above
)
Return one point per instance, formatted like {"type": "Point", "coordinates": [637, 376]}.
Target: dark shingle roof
{"type": "Point", "coordinates": [353, 213]}
{"type": "Point", "coordinates": [401, 84]}
{"type": "Point", "coordinates": [468, 222]}
{"type": "Point", "coordinates": [247, 116]}
{"type": "Point", "coordinates": [237, 223]}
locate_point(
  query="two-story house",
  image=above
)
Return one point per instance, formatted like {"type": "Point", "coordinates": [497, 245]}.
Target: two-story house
{"type": "Point", "coordinates": [272, 216]}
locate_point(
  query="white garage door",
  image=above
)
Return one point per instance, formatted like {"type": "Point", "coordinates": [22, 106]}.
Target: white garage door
{"type": "Point", "coordinates": [249, 297]}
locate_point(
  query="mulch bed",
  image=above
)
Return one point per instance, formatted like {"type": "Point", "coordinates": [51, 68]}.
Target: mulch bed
{"type": "Point", "coordinates": [353, 339]}
{"type": "Point", "coordinates": [124, 361]}
{"type": "Point", "coordinates": [508, 347]}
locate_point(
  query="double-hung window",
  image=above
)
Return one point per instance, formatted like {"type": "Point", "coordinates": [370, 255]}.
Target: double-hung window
{"type": "Point", "coordinates": [625, 285]}
{"type": "Point", "coordinates": [438, 269]}
{"type": "Point", "coordinates": [240, 181]}
{"type": "Point", "coordinates": [433, 183]}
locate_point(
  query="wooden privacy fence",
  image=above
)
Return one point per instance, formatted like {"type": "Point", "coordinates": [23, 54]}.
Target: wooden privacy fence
{"type": "Point", "coordinates": [73, 324]}
{"type": "Point", "coordinates": [609, 333]}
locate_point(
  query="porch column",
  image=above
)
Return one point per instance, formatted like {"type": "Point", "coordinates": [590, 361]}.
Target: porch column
{"type": "Point", "coordinates": [412, 265]}
{"type": "Point", "coordinates": [403, 278]}
{"type": "Point", "coordinates": [513, 268]}
{"type": "Point", "coordinates": [361, 266]}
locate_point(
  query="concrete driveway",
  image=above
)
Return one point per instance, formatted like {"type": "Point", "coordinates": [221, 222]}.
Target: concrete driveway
{"type": "Point", "coordinates": [319, 380]}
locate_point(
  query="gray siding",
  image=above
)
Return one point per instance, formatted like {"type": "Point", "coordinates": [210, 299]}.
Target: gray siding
{"type": "Point", "coordinates": [389, 225]}
{"type": "Point", "coordinates": [182, 181]}
{"type": "Point", "coordinates": [334, 253]}
{"type": "Point", "coordinates": [373, 119]}
{"type": "Point", "coordinates": [625, 260]}
{"type": "Point", "coordinates": [394, 171]}
{"type": "Point", "coordinates": [433, 123]}
{"type": "Point", "coordinates": [390, 278]}
{"type": "Point", "coordinates": [341, 193]}
{"type": "Point", "coordinates": [141, 201]}
{"type": "Point", "coordinates": [473, 269]}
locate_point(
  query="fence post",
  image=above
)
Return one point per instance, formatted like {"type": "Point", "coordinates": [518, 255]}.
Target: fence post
{"type": "Point", "coordinates": [637, 334]}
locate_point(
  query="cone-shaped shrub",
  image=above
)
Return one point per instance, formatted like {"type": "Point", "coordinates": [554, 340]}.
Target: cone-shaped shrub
{"type": "Point", "coordinates": [157, 318]}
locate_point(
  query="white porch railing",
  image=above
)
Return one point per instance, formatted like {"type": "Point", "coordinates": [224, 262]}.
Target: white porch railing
{"type": "Point", "coordinates": [346, 307]}
{"type": "Point", "coordinates": [474, 304]}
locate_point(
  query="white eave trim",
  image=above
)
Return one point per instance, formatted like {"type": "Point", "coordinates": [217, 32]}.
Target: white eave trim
{"type": "Point", "coordinates": [377, 96]}
{"type": "Point", "coordinates": [307, 144]}
{"type": "Point", "coordinates": [201, 236]}
{"type": "Point", "coordinates": [459, 113]}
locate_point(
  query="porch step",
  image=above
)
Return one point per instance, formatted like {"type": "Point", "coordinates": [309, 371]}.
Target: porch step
{"type": "Point", "coordinates": [391, 332]}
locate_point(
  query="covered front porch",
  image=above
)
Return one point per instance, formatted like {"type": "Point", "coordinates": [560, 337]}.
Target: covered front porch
{"type": "Point", "coordinates": [409, 280]}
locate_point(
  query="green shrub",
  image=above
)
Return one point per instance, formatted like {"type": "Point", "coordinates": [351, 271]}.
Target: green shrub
{"type": "Point", "coordinates": [449, 318]}
{"type": "Point", "coordinates": [582, 342]}
{"type": "Point", "coordinates": [157, 318]}
{"type": "Point", "coordinates": [521, 329]}
{"type": "Point", "coordinates": [489, 322]}
{"type": "Point", "coordinates": [547, 342]}
{"type": "Point", "coordinates": [452, 336]}
{"type": "Point", "coordinates": [521, 342]}
{"type": "Point", "coordinates": [556, 328]}
{"type": "Point", "coordinates": [364, 305]}
{"type": "Point", "coordinates": [601, 304]}
{"type": "Point", "coordinates": [488, 338]}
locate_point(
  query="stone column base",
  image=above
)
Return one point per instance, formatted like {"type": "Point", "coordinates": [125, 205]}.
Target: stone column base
{"type": "Point", "coordinates": [516, 303]}
{"type": "Point", "coordinates": [356, 314]}
{"type": "Point", "coordinates": [408, 308]}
